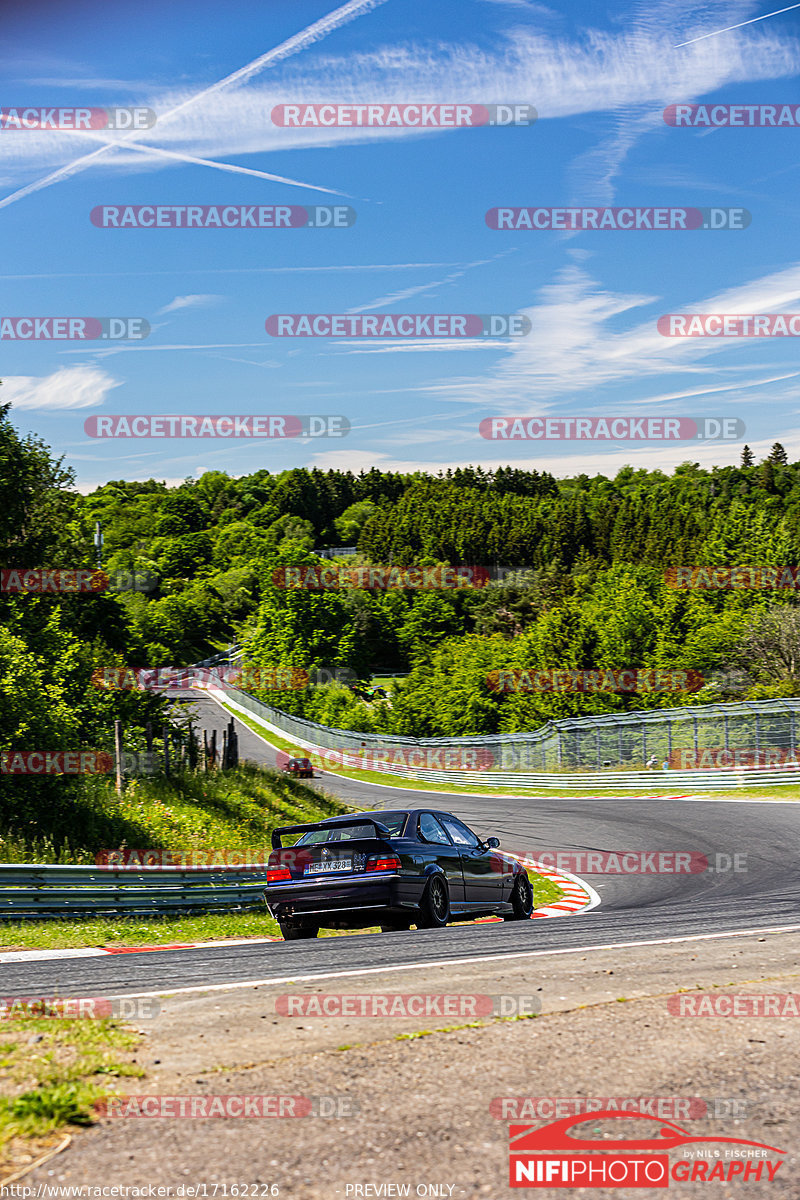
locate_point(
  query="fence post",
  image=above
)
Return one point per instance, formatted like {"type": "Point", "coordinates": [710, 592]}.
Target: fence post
{"type": "Point", "coordinates": [165, 735]}
{"type": "Point", "coordinates": [192, 749]}
{"type": "Point", "coordinates": [118, 753]}
{"type": "Point", "coordinates": [148, 736]}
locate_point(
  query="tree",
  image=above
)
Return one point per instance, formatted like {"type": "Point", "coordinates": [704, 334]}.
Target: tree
{"type": "Point", "coordinates": [778, 455]}
{"type": "Point", "coordinates": [748, 458]}
{"type": "Point", "coordinates": [770, 645]}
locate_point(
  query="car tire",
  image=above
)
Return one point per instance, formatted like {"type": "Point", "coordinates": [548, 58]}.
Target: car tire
{"type": "Point", "coordinates": [521, 899]}
{"type": "Point", "coordinates": [294, 933]}
{"type": "Point", "coordinates": [435, 907]}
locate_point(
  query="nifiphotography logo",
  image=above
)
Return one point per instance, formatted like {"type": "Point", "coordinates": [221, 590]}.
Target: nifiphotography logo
{"type": "Point", "coordinates": [575, 1161]}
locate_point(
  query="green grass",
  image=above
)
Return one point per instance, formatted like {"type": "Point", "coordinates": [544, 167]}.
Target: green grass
{"type": "Point", "coordinates": [230, 810]}
{"type": "Point", "coordinates": [221, 811]}
{"type": "Point", "coordinates": [544, 890]}
{"type": "Point", "coordinates": [52, 1070]}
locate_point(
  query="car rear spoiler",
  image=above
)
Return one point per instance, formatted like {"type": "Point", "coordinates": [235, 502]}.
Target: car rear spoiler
{"type": "Point", "coordinates": [380, 830]}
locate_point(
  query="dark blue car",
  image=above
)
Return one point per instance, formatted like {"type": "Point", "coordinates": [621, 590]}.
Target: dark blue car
{"type": "Point", "coordinates": [394, 869]}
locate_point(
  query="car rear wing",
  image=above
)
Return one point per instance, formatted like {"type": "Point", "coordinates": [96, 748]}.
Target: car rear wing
{"type": "Point", "coordinates": [380, 830]}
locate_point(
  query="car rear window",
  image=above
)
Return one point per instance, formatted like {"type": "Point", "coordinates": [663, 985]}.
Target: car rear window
{"type": "Point", "coordinates": [393, 822]}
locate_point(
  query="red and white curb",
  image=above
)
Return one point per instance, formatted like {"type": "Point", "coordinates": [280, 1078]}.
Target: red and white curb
{"type": "Point", "coordinates": [578, 895]}
{"type": "Point", "coordinates": [13, 956]}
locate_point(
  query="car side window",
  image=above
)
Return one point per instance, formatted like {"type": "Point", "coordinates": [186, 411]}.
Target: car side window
{"type": "Point", "coordinates": [432, 831]}
{"type": "Point", "coordinates": [459, 833]}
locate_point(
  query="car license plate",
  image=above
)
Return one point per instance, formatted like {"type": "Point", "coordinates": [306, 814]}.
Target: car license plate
{"type": "Point", "coordinates": [330, 865]}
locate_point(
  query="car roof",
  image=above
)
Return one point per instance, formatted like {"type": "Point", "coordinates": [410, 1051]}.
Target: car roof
{"type": "Point", "coordinates": [385, 812]}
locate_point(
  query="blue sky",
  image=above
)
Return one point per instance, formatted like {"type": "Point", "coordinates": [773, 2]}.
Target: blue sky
{"type": "Point", "coordinates": [599, 75]}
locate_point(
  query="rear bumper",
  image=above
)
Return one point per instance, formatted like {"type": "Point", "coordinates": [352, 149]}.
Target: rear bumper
{"type": "Point", "coordinates": [345, 899]}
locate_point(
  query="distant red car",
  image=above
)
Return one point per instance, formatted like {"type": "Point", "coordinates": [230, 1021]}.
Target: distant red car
{"type": "Point", "coordinates": [301, 768]}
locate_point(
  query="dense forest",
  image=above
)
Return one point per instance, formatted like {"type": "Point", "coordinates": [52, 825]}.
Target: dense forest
{"type": "Point", "coordinates": [576, 571]}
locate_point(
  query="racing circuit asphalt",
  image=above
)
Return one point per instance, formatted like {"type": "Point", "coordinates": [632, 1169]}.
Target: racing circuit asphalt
{"type": "Point", "coordinates": [635, 908]}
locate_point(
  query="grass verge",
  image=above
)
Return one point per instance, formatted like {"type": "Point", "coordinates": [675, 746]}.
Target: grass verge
{"type": "Point", "coordinates": [52, 1070]}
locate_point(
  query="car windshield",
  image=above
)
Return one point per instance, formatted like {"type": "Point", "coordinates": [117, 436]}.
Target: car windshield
{"type": "Point", "coordinates": [393, 822]}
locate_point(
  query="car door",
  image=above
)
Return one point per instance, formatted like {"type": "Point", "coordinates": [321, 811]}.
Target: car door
{"type": "Point", "coordinates": [485, 872]}
{"type": "Point", "coordinates": [439, 848]}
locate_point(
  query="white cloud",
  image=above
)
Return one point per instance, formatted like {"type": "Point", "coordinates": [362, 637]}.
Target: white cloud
{"type": "Point", "coordinates": [181, 302]}
{"type": "Point", "coordinates": [591, 459]}
{"type": "Point", "coordinates": [529, 5]}
{"type": "Point", "coordinates": [574, 348]}
{"type": "Point", "coordinates": [630, 73]}
{"type": "Point", "coordinates": [68, 387]}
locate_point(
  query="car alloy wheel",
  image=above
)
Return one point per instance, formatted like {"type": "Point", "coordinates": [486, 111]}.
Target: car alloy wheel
{"type": "Point", "coordinates": [521, 898]}
{"type": "Point", "coordinates": [435, 907]}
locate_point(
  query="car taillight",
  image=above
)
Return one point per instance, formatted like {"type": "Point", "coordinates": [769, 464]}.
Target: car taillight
{"type": "Point", "coordinates": [278, 874]}
{"type": "Point", "coordinates": [376, 863]}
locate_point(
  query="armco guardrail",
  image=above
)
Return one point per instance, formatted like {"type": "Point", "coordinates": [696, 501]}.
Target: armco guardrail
{"type": "Point", "coordinates": [322, 740]}
{"type": "Point", "coordinates": [31, 890]}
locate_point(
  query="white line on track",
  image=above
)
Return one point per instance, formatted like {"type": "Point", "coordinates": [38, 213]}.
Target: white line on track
{"type": "Point", "coordinates": [452, 962]}
{"type": "Point", "coordinates": [41, 955]}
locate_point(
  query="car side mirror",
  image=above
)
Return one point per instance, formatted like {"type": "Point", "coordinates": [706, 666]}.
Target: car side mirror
{"type": "Point", "coordinates": [492, 843]}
